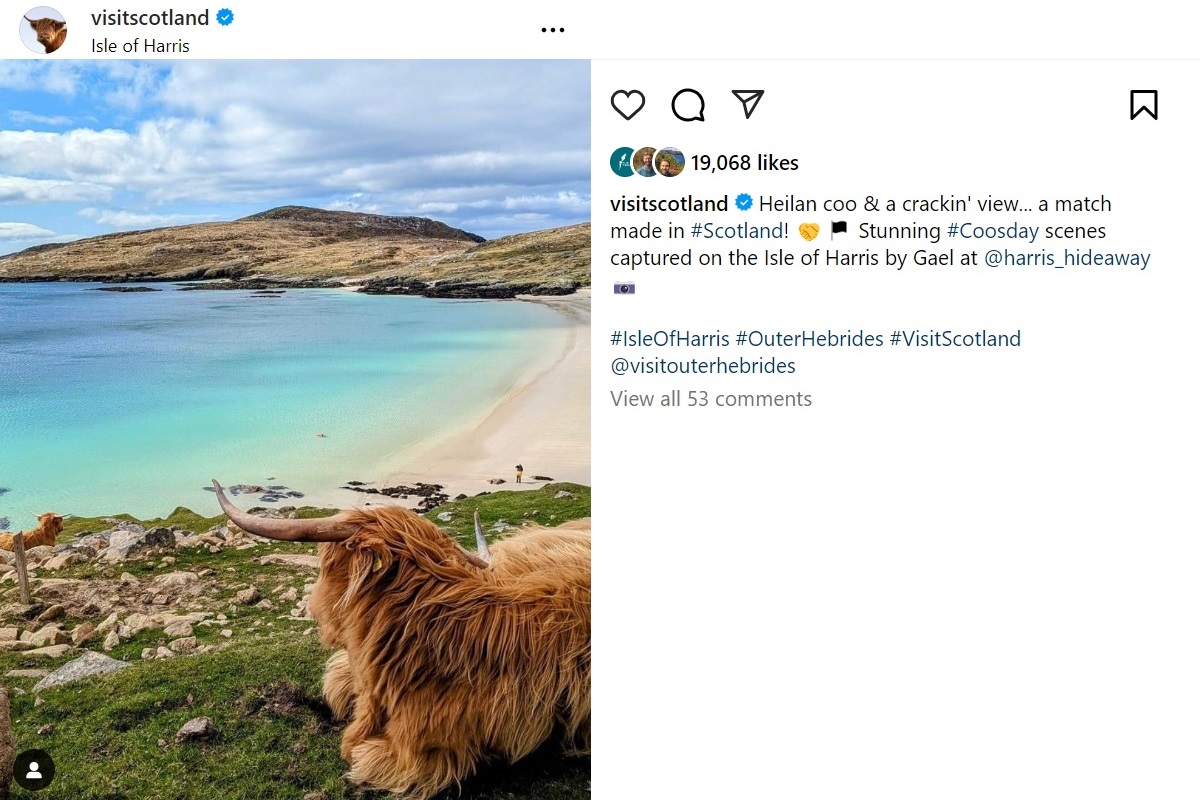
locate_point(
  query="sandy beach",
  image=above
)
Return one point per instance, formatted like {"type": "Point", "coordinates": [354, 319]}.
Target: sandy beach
{"type": "Point", "coordinates": [543, 422]}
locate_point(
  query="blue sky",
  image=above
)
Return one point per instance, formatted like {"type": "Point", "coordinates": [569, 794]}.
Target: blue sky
{"type": "Point", "coordinates": [91, 147]}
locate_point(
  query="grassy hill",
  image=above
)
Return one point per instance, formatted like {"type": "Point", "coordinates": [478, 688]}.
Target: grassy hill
{"type": "Point", "coordinates": [294, 245]}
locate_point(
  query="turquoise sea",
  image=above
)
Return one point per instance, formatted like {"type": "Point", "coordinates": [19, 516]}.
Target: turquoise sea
{"type": "Point", "coordinates": [131, 401]}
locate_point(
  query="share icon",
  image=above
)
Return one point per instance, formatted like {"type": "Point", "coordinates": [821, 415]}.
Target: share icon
{"type": "Point", "coordinates": [749, 99]}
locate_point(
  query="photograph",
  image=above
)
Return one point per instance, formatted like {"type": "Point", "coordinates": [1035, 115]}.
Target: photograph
{"type": "Point", "coordinates": [295, 412]}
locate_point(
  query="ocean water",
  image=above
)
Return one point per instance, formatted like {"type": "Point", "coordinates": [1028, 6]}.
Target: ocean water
{"type": "Point", "coordinates": [132, 401]}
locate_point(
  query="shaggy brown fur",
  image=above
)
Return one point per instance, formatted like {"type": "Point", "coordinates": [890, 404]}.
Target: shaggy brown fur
{"type": "Point", "coordinates": [50, 525]}
{"type": "Point", "coordinates": [443, 664]}
{"type": "Point", "coordinates": [51, 33]}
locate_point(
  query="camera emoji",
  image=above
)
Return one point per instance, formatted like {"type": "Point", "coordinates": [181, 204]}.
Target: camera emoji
{"type": "Point", "coordinates": [622, 288]}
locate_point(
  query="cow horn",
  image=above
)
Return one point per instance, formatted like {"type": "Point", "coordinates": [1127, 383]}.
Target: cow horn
{"type": "Point", "coordinates": [326, 529]}
{"type": "Point", "coordinates": [481, 541]}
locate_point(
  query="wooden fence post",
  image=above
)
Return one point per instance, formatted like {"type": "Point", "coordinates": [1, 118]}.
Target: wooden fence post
{"type": "Point", "coordinates": [22, 573]}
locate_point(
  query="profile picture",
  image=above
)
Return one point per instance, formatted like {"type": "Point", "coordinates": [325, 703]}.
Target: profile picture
{"type": "Point", "coordinates": [621, 161]}
{"type": "Point", "coordinates": [643, 162]}
{"type": "Point", "coordinates": [43, 30]}
{"type": "Point", "coordinates": [669, 162]}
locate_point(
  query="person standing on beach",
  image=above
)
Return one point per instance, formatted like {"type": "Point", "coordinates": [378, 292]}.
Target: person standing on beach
{"type": "Point", "coordinates": [520, 472]}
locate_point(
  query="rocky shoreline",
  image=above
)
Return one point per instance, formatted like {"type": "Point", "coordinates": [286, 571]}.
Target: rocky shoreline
{"type": "Point", "coordinates": [453, 290]}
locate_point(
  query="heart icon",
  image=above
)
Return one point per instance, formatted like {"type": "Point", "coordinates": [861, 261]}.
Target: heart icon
{"type": "Point", "coordinates": [628, 104]}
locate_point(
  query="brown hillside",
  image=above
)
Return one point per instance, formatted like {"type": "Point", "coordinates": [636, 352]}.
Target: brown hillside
{"type": "Point", "coordinates": [298, 245]}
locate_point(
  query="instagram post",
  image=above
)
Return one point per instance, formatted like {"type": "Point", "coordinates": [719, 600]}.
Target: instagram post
{"type": "Point", "coordinates": [295, 472]}
{"type": "Point", "coordinates": [871, 324]}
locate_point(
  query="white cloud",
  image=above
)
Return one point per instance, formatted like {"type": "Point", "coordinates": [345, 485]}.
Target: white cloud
{"type": "Point", "coordinates": [23, 230]}
{"type": "Point", "coordinates": [392, 137]}
{"type": "Point", "coordinates": [32, 190]}
{"type": "Point", "coordinates": [29, 118]}
{"type": "Point", "coordinates": [131, 219]}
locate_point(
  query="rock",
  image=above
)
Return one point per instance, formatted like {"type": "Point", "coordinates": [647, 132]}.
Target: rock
{"type": "Point", "coordinates": [51, 613]}
{"type": "Point", "coordinates": [85, 666]}
{"type": "Point", "coordinates": [221, 617]}
{"type": "Point", "coordinates": [289, 596]}
{"type": "Point", "coordinates": [184, 645]}
{"type": "Point", "coordinates": [129, 580]}
{"type": "Point", "coordinates": [140, 622]}
{"type": "Point", "coordinates": [204, 573]}
{"type": "Point", "coordinates": [247, 596]}
{"type": "Point", "coordinates": [53, 651]}
{"type": "Point", "coordinates": [496, 481]}
{"type": "Point", "coordinates": [191, 619]}
{"type": "Point", "coordinates": [65, 560]}
{"type": "Point", "coordinates": [292, 560]}
{"type": "Point", "coordinates": [226, 633]}
{"type": "Point", "coordinates": [178, 629]}
{"type": "Point", "coordinates": [198, 729]}
{"type": "Point", "coordinates": [542, 478]}
{"type": "Point", "coordinates": [563, 495]}
{"type": "Point", "coordinates": [108, 625]}
{"type": "Point", "coordinates": [168, 559]}
{"type": "Point", "coordinates": [163, 652]}
{"type": "Point", "coordinates": [111, 641]}
{"type": "Point", "coordinates": [7, 556]}
{"type": "Point", "coordinates": [148, 652]}
{"type": "Point", "coordinates": [14, 646]}
{"type": "Point", "coordinates": [39, 553]}
{"type": "Point", "coordinates": [45, 636]}
{"type": "Point", "coordinates": [179, 583]}
{"type": "Point", "coordinates": [8, 635]}
{"type": "Point", "coordinates": [82, 633]}
{"type": "Point", "coordinates": [27, 673]}
{"type": "Point", "coordinates": [266, 605]}
{"type": "Point", "coordinates": [308, 588]}
{"type": "Point", "coordinates": [446, 516]}
{"type": "Point", "coordinates": [136, 543]}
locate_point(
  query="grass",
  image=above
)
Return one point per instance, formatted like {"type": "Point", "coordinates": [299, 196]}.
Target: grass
{"type": "Point", "coordinates": [113, 737]}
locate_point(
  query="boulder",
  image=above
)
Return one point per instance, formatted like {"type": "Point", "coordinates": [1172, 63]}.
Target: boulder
{"type": "Point", "coordinates": [138, 543]}
{"type": "Point", "coordinates": [111, 641]}
{"type": "Point", "coordinates": [290, 595]}
{"type": "Point", "coordinates": [109, 624]}
{"type": "Point", "coordinates": [175, 583]}
{"type": "Point", "coordinates": [184, 645]}
{"type": "Point", "coordinates": [198, 729]}
{"type": "Point", "coordinates": [85, 666]}
{"type": "Point", "coordinates": [39, 553]}
{"type": "Point", "coordinates": [53, 651]}
{"type": "Point", "coordinates": [247, 596]}
{"type": "Point", "coordinates": [139, 622]}
{"type": "Point", "coordinates": [293, 560]}
{"type": "Point", "coordinates": [52, 613]}
{"type": "Point", "coordinates": [178, 629]}
{"type": "Point", "coordinates": [27, 673]}
{"type": "Point", "coordinates": [65, 560]}
{"type": "Point", "coordinates": [8, 635]}
{"type": "Point", "coordinates": [82, 633]}
{"type": "Point", "coordinates": [45, 636]}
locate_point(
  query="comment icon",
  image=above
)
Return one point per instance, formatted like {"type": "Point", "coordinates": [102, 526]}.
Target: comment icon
{"type": "Point", "coordinates": [688, 105]}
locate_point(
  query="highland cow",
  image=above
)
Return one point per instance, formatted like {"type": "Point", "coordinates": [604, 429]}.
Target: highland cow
{"type": "Point", "coordinates": [50, 525]}
{"type": "Point", "coordinates": [51, 33]}
{"type": "Point", "coordinates": [446, 658]}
